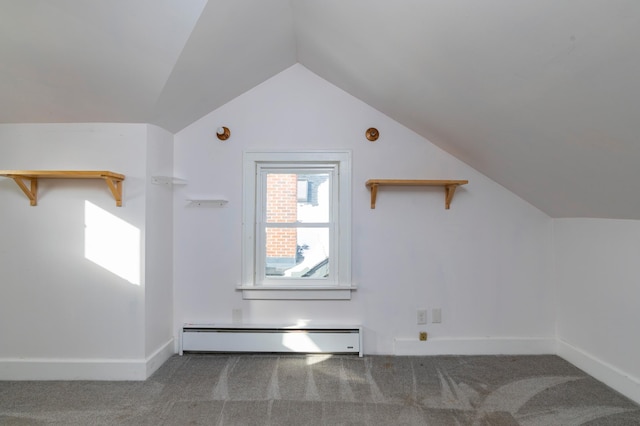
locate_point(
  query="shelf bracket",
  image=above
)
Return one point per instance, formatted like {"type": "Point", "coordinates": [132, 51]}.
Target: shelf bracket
{"type": "Point", "coordinates": [374, 195]}
{"type": "Point", "coordinates": [116, 189]}
{"type": "Point", "coordinates": [31, 191]}
{"type": "Point", "coordinates": [449, 191]}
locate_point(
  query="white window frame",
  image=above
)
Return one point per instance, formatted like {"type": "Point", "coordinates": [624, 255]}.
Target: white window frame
{"type": "Point", "coordinates": [337, 288]}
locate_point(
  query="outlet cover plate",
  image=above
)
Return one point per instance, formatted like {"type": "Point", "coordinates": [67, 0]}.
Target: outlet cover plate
{"type": "Point", "coordinates": [422, 316]}
{"type": "Point", "coordinates": [436, 316]}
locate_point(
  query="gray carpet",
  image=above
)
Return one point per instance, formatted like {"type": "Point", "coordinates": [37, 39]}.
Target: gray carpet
{"type": "Point", "coordinates": [199, 389]}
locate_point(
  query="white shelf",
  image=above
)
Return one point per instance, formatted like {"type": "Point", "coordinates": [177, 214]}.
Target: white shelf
{"type": "Point", "coordinates": [207, 202]}
{"type": "Point", "coordinates": [167, 180]}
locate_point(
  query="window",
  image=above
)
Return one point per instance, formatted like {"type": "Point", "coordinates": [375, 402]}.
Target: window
{"type": "Point", "coordinates": [297, 225]}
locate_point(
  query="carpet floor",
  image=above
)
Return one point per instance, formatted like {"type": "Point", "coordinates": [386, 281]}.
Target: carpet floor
{"type": "Point", "coordinates": [247, 389]}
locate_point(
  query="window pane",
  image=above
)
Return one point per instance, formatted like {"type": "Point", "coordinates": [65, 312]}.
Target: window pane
{"type": "Point", "coordinates": [297, 197]}
{"type": "Point", "coordinates": [297, 252]}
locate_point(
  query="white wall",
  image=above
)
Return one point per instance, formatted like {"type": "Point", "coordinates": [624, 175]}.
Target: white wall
{"type": "Point", "coordinates": [597, 272]}
{"type": "Point", "coordinates": [72, 299]}
{"type": "Point", "coordinates": [486, 262]}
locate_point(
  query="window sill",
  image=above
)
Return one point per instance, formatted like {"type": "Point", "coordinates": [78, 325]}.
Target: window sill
{"type": "Point", "coordinates": [296, 293]}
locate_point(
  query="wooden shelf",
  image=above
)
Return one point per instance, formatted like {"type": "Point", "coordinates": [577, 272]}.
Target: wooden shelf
{"type": "Point", "coordinates": [114, 180]}
{"type": "Point", "coordinates": [450, 187]}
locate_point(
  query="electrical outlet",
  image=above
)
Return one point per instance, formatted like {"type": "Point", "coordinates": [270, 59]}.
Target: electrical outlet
{"type": "Point", "coordinates": [423, 336]}
{"type": "Point", "coordinates": [422, 316]}
{"type": "Point", "coordinates": [436, 315]}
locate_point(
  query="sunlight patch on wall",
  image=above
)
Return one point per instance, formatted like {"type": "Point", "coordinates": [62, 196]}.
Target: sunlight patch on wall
{"type": "Point", "coordinates": [112, 243]}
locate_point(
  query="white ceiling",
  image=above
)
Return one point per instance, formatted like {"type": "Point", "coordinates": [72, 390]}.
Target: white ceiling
{"type": "Point", "coordinates": [543, 96]}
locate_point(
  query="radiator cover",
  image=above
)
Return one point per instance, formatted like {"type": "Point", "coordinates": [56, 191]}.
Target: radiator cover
{"type": "Point", "coordinates": [260, 338]}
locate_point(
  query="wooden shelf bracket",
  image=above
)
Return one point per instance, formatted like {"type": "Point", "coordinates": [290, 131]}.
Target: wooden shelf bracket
{"type": "Point", "coordinates": [450, 187]}
{"type": "Point", "coordinates": [32, 191]}
{"type": "Point", "coordinates": [114, 180]}
{"type": "Point", "coordinates": [449, 190]}
{"type": "Point", "coordinates": [374, 194]}
{"type": "Point", "coordinates": [115, 185]}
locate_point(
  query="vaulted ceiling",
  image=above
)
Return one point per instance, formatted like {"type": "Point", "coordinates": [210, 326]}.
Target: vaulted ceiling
{"type": "Point", "coordinates": [543, 96]}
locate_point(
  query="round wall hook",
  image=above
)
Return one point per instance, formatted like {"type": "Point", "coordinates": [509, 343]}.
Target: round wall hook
{"type": "Point", "coordinates": [223, 133]}
{"type": "Point", "coordinates": [372, 134]}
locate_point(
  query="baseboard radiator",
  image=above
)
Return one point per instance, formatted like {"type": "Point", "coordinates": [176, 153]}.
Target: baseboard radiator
{"type": "Point", "coordinates": [275, 339]}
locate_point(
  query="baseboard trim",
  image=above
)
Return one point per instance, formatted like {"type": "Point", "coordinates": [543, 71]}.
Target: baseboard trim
{"type": "Point", "coordinates": [84, 369]}
{"type": "Point", "coordinates": [159, 357]}
{"type": "Point", "coordinates": [611, 376]}
{"type": "Point", "coordinates": [71, 369]}
{"type": "Point", "coordinates": [475, 346]}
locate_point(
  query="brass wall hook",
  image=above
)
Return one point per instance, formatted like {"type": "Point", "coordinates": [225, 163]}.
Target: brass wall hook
{"type": "Point", "coordinates": [223, 133]}
{"type": "Point", "coordinates": [372, 134]}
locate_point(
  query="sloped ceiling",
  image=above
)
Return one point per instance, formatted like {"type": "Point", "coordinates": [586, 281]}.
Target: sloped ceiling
{"type": "Point", "coordinates": [543, 96]}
